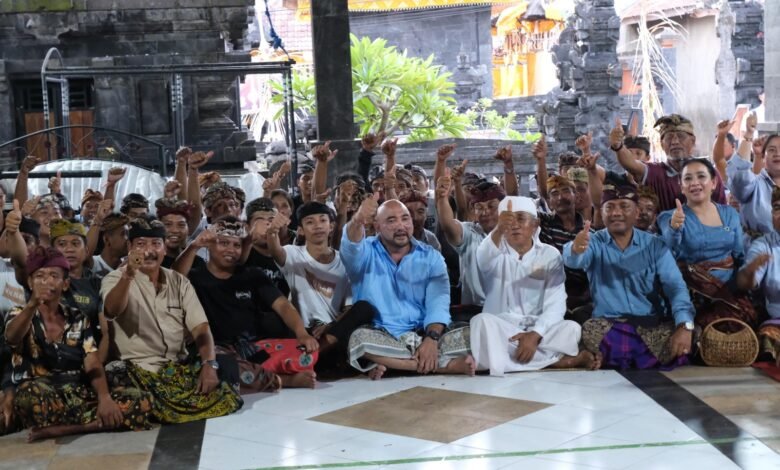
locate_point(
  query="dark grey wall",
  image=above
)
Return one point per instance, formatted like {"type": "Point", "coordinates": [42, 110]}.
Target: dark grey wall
{"type": "Point", "coordinates": [442, 32]}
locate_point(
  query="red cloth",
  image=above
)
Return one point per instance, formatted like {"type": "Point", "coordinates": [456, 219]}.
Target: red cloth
{"type": "Point", "coordinates": [769, 368]}
{"type": "Point", "coordinates": [667, 187]}
{"type": "Point", "coordinates": [286, 358]}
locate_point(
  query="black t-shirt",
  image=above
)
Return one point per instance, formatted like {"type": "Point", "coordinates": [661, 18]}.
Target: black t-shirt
{"type": "Point", "coordinates": [198, 262]}
{"type": "Point", "coordinates": [269, 268]}
{"type": "Point", "coordinates": [235, 307]}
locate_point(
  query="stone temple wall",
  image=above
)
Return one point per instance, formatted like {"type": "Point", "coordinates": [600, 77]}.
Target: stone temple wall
{"type": "Point", "coordinates": [103, 33]}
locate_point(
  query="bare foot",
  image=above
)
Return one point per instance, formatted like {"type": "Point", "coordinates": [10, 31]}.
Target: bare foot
{"type": "Point", "coordinates": [36, 434]}
{"type": "Point", "coordinates": [377, 372]}
{"type": "Point", "coordinates": [465, 365]}
{"type": "Point", "coordinates": [305, 379]}
{"type": "Point", "coordinates": [584, 360]}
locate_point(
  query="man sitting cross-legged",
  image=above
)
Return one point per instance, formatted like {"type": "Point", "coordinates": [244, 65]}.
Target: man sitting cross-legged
{"type": "Point", "coordinates": [243, 306]}
{"type": "Point", "coordinates": [629, 272]}
{"type": "Point", "coordinates": [54, 350]}
{"type": "Point", "coordinates": [522, 326]}
{"type": "Point", "coordinates": [316, 276]}
{"type": "Point", "coordinates": [405, 284]}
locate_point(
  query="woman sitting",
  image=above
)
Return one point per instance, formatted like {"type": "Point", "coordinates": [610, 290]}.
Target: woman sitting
{"type": "Point", "coordinates": [706, 240]}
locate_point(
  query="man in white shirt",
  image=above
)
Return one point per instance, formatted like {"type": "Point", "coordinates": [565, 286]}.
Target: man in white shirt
{"type": "Point", "coordinates": [319, 286]}
{"type": "Point", "coordinates": [522, 326]}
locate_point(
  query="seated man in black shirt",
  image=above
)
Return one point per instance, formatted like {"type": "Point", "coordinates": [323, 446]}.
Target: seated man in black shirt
{"type": "Point", "coordinates": [243, 306]}
{"type": "Point", "coordinates": [259, 215]}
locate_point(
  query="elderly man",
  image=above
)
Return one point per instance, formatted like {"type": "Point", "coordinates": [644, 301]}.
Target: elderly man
{"type": "Point", "coordinates": [154, 311]}
{"type": "Point", "coordinates": [54, 349]}
{"type": "Point", "coordinates": [678, 141]}
{"type": "Point", "coordinates": [522, 326]}
{"type": "Point", "coordinates": [630, 271]}
{"type": "Point", "coordinates": [405, 284]}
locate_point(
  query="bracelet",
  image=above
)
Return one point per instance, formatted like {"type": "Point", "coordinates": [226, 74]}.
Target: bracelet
{"type": "Point", "coordinates": [509, 171]}
{"type": "Point", "coordinates": [616, 149]}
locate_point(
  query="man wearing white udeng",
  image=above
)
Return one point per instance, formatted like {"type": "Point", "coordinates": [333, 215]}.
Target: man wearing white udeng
{"type": "Point", "coordinates": [522, 326]}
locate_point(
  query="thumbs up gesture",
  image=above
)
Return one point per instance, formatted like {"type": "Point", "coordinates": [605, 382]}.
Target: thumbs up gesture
{"type": "Point", "coordinates": [678, 217]}
{"type": "Point", "coordinates": [506, 219]}
{"type": "Point", "coordinates": [582, 240]}
{"type": "Point", "coordinates": [616, 135]}
{"type": "Point", "coordinates": [13, 219]}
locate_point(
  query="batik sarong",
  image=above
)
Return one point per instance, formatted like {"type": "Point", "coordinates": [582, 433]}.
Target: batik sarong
{"type": "Point", "coordinates": [713, 299]}
{"type": "Point", "coordinates": [43, 402]}
{"type": "Point", "coordinates": [625, 346]}
{"type": "Point", "coordinates": [769, 335]}
{"type": "Point", "coordinates": [365, 340]}
{"type": "Point", "coordinates": [174, 389]}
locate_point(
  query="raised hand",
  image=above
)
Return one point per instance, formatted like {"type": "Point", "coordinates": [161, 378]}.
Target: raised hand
{"type": "Point", "coordinates": [367, 210]}
{"type": "Point", "coordinates": [724, 127]}
{"type": "Point", "coordinates": [199, 159]}
{"type": "Point", "coordinates": [459, 170]}
{"type": "Point", "coordinates": [444, 152]}
{"type": "Point", "coordinates": [389, 146]}
{"type": "Point", "coordinates": [104, 209]}
{"type": "Point", "coordinates": [506, 219]}
{"type": "Point", "coordinates": [323, 197]}
{"type": "Point", "coordinates": [584, 142]}
{"type": "Point", "coordinates": [370, 141]}
{"type": "Point", "coordinates": [589, 161]}
{"type": "Point", "coordinates": [504, 154]}
{"type": "Point", "coordinates": [55, 183]}
{"type": "Point", "coordinates": [135, 260]}
{"type": "Point", "coordinates": [205, 239]}
{"type": "Point", "coordinates": [183, 155]}
{"type": "Point", "coordinates": [13, 219]}
{"type": "Point", "coordinates": [275, 180]}
{"type": "Point", "coordinates": [29, 163]}
{"type": "Point", "coordinates": [172, 189]}
{"type": "Point", "coordinates": [444, 186]}
{"type": "Point", "coordinates": [751, 123]}
{"type": "Point", "coordinates": [617, 134]}
{"type": "Point", "coordinates": [678, 217]}
{"type": "Point", "coordinates": [29, 206]}
{"type": "Point", "coordinates": [347, 191]}
{"type": "Point", "coordinates": [539, 150]}
{"type": "Point", "coordinates": [279, 222]}
{"type": "Point", "coordinates": [582, 240]}
{"type": "Point", "coordinates": [323, 153]}
{"type": "Point", "coordinates": [115, 174]}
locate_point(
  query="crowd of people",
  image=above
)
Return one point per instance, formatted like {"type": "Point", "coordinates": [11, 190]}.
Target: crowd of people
{"type": "Point", "coordinates": [124, 319]}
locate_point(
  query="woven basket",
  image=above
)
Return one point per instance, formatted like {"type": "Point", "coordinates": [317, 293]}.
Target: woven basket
{"type": "Point", "coordinates": [737, 349]}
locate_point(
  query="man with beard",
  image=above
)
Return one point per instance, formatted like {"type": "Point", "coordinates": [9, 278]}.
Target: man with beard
{"type": "Point", "coordinates": [630, 271]}
{"type": "Point", "coordinates": [417, 205]}
{"type": "Point", "coordinates": [558, 228]}
{"type": "Point", "coordinates": [678, 141]}
{"type": "Point", "coordinates": [525, 299]}
{"type": "Point", "coordinates": [260, 214]}
{"type": "Point", "coordinates": [465, 237]}
{"type": "Point", "coordinates": [404, 284]}
{"type": "Point", "coordinates": [154, 312]}
{"type": "Point", "coordinates": [244, 307]}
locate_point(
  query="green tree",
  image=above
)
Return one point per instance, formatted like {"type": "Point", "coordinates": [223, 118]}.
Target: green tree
{"type": "Point", "coordinates": [392, 91]}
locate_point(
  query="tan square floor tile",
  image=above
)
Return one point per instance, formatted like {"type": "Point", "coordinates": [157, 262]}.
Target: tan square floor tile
{"type": "Point", "coordinates": [431, 413]}
{"type": "Point", "coordinates": [114, 462]}
{"type": "Point", "coordinates": [15, 447]}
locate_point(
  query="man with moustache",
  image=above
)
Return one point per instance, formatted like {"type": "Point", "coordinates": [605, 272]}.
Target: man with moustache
{"type": "Point", "coordinates": [244, 307]}
{"type": "Point", "coordinates": [678, 141]}
{"type": "Point", "coordinates": [558, 228]}
{"type": "Point", "coordinates": [405, 284]}
{"type": "Point", "coordinates": [155, 311]}
{"type": "Point", "coordinates": [630, 272]}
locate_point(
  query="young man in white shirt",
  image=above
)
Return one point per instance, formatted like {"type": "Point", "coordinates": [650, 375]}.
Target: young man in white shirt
{"type": "Point", "coordinates": [318, 281]}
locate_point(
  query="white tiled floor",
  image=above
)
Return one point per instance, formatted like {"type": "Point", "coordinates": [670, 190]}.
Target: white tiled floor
{"type": "Point", "coordinates": [592, 413]}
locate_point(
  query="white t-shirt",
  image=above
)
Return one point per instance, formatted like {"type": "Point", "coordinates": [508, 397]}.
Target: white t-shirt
{"type": "Point", "coordinates": [317, 290]}
{"type": "Point", "coordinates": [11, 293]}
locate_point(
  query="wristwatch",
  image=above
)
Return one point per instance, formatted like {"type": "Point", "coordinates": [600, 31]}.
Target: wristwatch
{"type": "Point", "coordinates": [687, 325]}
{"type": "Point", "coordinates": [434, 335]}
{"type": "Point", "coordinates": [213, 363]}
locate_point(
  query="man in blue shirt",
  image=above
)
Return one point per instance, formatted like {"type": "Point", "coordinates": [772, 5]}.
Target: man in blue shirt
{"type": "Point", "coordinates": [627, 270]}
{"type": "Point", "coordinates": [405, 284]}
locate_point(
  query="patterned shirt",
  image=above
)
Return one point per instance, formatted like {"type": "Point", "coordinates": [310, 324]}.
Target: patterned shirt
{"type": "Point", "coordinates": [552, 232]}
{"type": "Point", "coordinates": [665, 181]}
{"type": "Point", "coordinates": [30, 360]}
